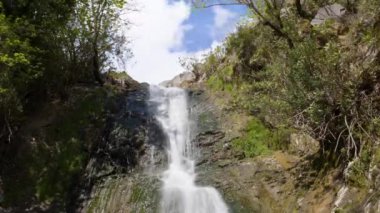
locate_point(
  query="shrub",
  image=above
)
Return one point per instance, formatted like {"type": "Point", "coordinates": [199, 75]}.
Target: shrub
{"type": "Point", "coordinates": [255, 140]}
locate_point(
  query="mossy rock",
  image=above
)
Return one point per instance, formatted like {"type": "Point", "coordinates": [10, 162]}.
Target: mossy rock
{"type": "Point", "coordinates": [126, 194]}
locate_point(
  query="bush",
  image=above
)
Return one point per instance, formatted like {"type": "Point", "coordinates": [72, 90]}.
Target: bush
{"type": "Point", "coordinates": [319, 79]}
{"type": "Point", "coordinates": [255, 140]}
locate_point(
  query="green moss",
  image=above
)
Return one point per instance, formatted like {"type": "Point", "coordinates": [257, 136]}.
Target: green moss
{"type": "Point", "coordinates": [95, 202]}
{"type": "Point", "coordinates": [104, 196]}
{"type": "Point", "coordinates": [144, 196]}
{"type": "Point", "coordinates": [259, 140]}
{"type": "Point", "coordinates": [138, 194]}
{"type": "Point", "coordinates": [255, 140]}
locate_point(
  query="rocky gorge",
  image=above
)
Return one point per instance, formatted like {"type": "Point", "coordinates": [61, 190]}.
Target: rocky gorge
{"type": "Point", "coordinates": [282, 116]}
{"type": "Point", "coordinates": [279, 181]}
{"type": "Point", "coordinates": [122, 171]}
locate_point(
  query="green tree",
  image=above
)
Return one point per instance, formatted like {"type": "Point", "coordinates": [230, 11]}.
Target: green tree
{"type": "Point", "coordinates": [98, 23]}
{"type": "Point", "coordinates": [17, 70]}
{"type": "Point", "coordinates": [47, 46]}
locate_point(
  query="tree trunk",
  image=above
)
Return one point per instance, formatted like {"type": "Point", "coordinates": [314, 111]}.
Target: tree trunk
{"type": "Point", "coordinates": [96, 66]}
{"type": "Point", "coordinates": [301, 12]}
{"type": "Point", "coordinates": [280, 33]}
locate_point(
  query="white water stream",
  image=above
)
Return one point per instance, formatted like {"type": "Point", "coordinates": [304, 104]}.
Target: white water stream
{"type": "Point", "coordinates": [180, 194]}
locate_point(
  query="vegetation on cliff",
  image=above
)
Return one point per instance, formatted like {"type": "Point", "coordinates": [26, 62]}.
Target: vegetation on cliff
{"type": "Point", "coordinates": [286, 66]}
{"type": "Point", "coordinates": [319, 76]}
{"type": "Point", "coordinates": [48, 46]}
{"type": "Point", "coordinates": [47, 158]}
{"type": "Point", "coordinates": [53, 108]}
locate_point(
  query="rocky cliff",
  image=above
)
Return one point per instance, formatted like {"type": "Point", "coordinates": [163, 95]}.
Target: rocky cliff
{"type": "Point", "coordinates": [103, 151]}
{"type": "Point", "coordinates": [285, 179]}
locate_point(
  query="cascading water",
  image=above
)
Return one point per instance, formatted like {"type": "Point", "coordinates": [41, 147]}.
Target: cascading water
{"type": "Point", "coordinates": [180, 194]}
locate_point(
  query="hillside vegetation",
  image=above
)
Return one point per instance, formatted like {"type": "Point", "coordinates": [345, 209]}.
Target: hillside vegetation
{"type": "Point", "coordinates": [47, 47]}
{"type": "Point", "coordinates": [293, 72]}
{"type": "Point", "coordinates": [73, 130]}
{"type": "Point", "coordinates": [55, 97]}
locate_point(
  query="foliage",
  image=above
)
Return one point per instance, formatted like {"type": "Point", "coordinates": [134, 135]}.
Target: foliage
{"type": "Point", "coordinates": [357, 174]}
{"type": "Point", "coordinates": [96, 23]}
{"type": "Point", "coordinates": [321, 79]}
{"type": "Point", "coordinates": [53, 162]}
{"type": "Point", "coordinates": [70, 157]}
{"type": "Point", "coordinates": [260, 140]}
{"type": "Point", "coordinates": [255, 141]}
{"type": "Point", "coordinates": [47, 46]}
{"type": "Point", "coordinates": [17, 70]}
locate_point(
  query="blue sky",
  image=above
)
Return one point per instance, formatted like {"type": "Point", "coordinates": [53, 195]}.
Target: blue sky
{"type": "Point", "coordinates": [165, 30]}
{"type": "Point", "coordinates": [200, 37]}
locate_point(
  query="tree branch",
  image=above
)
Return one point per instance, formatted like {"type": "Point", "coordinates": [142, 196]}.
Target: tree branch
{"type": "Point", "coordinates": [219, 4]}
{"type": "Point", "coordinates": [9, 129]}
{"type": "Point", "coordinates": [301, 12]}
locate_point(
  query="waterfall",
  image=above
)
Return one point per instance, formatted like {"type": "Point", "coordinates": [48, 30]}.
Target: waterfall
{"type": "Point", "coordinates": [180, 194]}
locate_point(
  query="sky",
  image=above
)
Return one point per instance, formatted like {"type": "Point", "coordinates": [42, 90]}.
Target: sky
{"type": "Point", "coordinates": [163, 31]}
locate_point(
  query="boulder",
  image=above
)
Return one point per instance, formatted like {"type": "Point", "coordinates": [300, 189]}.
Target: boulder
{"type": "Point", "coordinates": [334, 11]}
{"type": "Point", "coordinates": [303, 144]}
{"type": "Point", "coordinates": [180, 80]}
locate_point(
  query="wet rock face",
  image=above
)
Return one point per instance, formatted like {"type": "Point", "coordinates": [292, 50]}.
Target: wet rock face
{"type": "Point", "coordinates": [208, 138]}
{"type": "Point", "coordinates": [131, 130]}
{"type": "Point", "coordinates": [270, 183]}
{"type": "Point", "coordinates": [130, 135]}
{"type": "Point", "coordinates": [125, 193]}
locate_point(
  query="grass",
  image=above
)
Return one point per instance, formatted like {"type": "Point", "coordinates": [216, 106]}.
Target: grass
{"type": "Point", "coordinates": [255, 140]}
{"type": "Point", "coordinates": [259, 140]}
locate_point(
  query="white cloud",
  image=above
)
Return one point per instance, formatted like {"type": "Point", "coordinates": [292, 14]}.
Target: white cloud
{"type": "Point", "coordinates": [222, 16]}
{"type": "Point", "coordinates": [224, 22]}
{"type": "Point", "coordinates": [157, 35]}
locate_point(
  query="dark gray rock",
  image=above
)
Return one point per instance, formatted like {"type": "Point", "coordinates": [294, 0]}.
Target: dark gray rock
{"type": "Point", "coordinates": [131, 132]}
{"type": "Point", "coordinates": [209, 138]}
{"type": "Point", "coordinates": [128, 130]}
